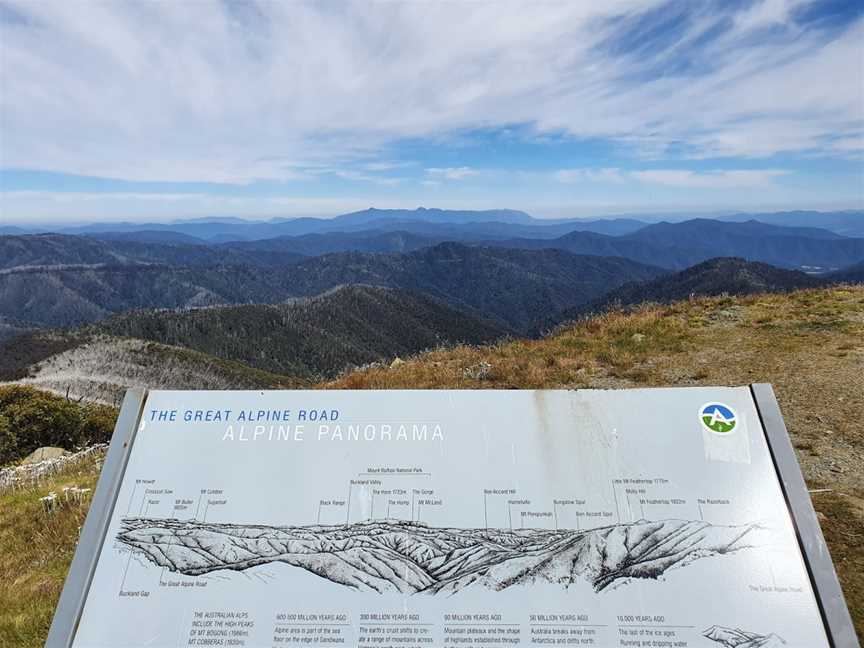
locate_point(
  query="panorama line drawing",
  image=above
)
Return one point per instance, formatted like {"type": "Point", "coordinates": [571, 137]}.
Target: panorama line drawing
{"type": "Point", "coordinates": [411, 557]}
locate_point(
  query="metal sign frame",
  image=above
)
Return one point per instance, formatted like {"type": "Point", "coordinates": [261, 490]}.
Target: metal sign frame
{"type": "Point", "coordinates": [826, 587]}
{"type": "Point", "coordinates": [817, 559]}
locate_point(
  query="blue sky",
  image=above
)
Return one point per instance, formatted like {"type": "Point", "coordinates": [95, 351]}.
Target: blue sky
{"type": "Point", "coordinates": [155, 111]}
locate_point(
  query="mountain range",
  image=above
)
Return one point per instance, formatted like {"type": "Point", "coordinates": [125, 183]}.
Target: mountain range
{"type": "Point", "coordinates": [679, 245]}
{"type": "Point", "coordinates": [289, 301]}
{"type": "Point", "coordinates": [100, 368]}
{"type": "Point", "coordinates": [673, 245]}
{"type": "Point", "coordinates": [251, 346]}
{"type": "Point", "coordinates": [505, 222]}
{"type": "Point", "coordinates": [309, 338]}
{"type": "Point", "coordinates": [487, 224]}
{"type": "Point", "coordinates": [509, 287]}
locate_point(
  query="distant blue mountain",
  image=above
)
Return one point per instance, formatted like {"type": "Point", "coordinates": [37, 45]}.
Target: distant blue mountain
{"type": "Point", "coordinates": [846, 223]}
{"type": "Point", "coordinates": [442, 224]}
{"type": "Point", "coordinates": [708, 230]}
{"type": "Point", "coordinates": [12, 230]}
{"type": "Point", "coordinates": [434, 215]}
{"type": "Point", "coordinates": [679, 245]}
{"type": "Point", "coordinates": [330, 242]}
{"type": "Point", "coordinates": [165, 237]}
{"type": "Point", "coordinates": [673, 245]}
{"type": "Point", "coordinates": [53, 250]}
{"type": "Point", "coordinates": [454, 224]}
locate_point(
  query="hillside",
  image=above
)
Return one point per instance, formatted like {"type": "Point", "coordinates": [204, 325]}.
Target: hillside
{"type": "Point", "coordinates": [809, 344]}
{"type": "Point", "coordinates": [163, 237]}
{"type": "Point", "coordinates": [509, 286]}
{"type": "Point", "coordinates": [37, 550]}
{"type": "Point", "coordinates": [10, 327]}
{"type": "Point", "coordinates": [57, 250]}
{"type": "Point", "coordinates": [313, 337]}
{"type": "Point", "coordinates": [72, 296]}
{"type": "Point", "coordinates": [317, 244]}
{"type": "Point", "coordinates": [100, 368]}
{"type": "Point", "coordinates": [849, 274]}
{"type": "Point", "coordinates": [714, 277]}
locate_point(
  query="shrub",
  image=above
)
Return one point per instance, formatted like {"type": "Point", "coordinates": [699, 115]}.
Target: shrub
{"type": "Point", "coordinates": [31, 419]}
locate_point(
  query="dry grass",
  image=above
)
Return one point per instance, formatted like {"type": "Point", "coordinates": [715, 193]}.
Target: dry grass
{"type": "Point", "coordinates": [808, 344]}
{"type": "Point", "coordinates": [36, 551]}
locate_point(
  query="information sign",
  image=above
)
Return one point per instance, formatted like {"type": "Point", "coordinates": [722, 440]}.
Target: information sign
{"type": "Point", "coordinates": [632, 518]}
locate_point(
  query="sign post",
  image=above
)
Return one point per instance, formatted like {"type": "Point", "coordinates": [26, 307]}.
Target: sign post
{"type": "Point", "coordinates": [649, 517]}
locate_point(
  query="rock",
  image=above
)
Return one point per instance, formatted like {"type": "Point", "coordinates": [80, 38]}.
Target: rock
{"type": "Point", "coordinates": [48, 452]}
{"type": "Point", "coordinates": [480, 371]}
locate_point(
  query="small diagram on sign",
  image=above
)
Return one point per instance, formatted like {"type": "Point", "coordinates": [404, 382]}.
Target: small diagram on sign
{"type": "Point", "coordinates": [397, 556]}
{"type": "Point", "coordinates": [735, 638]}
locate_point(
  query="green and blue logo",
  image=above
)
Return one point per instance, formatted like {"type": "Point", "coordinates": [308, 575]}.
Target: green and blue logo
{"type": "Point", "coordinates": [718, 418]}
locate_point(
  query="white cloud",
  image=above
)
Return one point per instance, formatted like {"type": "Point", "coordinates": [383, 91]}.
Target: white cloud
{"type": "Point", "coordinates": [573, 176]}
{"type": "Point", "coordinates": [44, 208]}
{"type": "Point", "coordinates": [237, 92]}
{"type": "Point", "coordinates": [767, 13]}
{"type": "Point", "coordinates": [684, 178]}
{"type": "Point", "coordinates": [51, 206]}
{"type": "Point", "coordinates": [737, 179]}
{"type": "Point", "coordinates": [366, 177]}
{"type": "Point", "coordinates": [453, 173]}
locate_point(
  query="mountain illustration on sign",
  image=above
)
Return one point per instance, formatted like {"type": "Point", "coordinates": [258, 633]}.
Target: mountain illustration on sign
{"type": "Point", "coordinates": [735, 638]}
{"type": "Point", "coordinates": [410, 557]}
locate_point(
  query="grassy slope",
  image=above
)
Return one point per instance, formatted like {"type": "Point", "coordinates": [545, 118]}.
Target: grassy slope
{"type": "Point", "coordinates": [809, 344]}
{"type": "Point", "coordinates": [35, 552]}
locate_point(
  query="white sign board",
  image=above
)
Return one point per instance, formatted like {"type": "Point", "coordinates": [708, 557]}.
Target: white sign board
{"type": "Point", "coordinates": [649, 518]}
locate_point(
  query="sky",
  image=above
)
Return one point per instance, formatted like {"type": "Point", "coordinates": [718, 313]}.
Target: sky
{"type": "Point", "coordinates": [155, 111]}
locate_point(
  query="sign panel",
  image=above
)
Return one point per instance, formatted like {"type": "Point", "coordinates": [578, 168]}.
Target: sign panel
{"type": "Point", "coordinates": [649, 518]}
